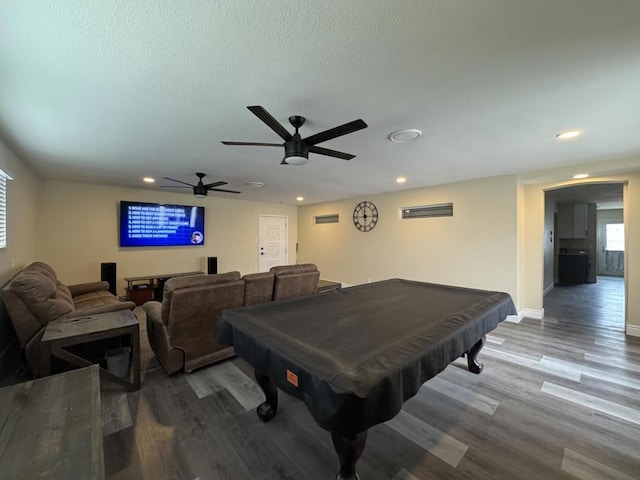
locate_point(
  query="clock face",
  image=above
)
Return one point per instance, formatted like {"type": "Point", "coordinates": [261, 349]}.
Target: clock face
{"type": "Point", "coordinates": [365, 216]}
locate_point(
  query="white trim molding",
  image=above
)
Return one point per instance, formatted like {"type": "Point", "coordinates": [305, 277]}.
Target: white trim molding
{"type": "Point", "coordinates": [526, 312]}
{"type": "Point", "coordinates": [633, 330]}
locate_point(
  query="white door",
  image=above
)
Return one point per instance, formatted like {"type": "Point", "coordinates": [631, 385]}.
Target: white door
{"type": "Point", "coordinates": [610, 244]}
{"type": "Point", "coordinates": [272, 243]}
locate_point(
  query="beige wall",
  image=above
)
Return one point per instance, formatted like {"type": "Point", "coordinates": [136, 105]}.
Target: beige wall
{"type": "Point", "coordinates": [477, 247]}
{"type": "Point", "coordinates": [493, 241]}
{"type": "Point", "coordinates": [78, 229]}
{"type": "Point", "coordinates": [22, 208]}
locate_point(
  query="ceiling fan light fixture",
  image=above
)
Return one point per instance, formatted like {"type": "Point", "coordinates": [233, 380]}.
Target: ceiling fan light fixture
{"type": "Point", "coordinates": [199, 191]}
{"type": "Point", "coordinates": [296, 160]}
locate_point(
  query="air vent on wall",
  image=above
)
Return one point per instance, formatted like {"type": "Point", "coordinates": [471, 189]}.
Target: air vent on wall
{"type": "Point", "coordinates": [332, 218]}
{"type": "Point", "coordinates": [427, 211]}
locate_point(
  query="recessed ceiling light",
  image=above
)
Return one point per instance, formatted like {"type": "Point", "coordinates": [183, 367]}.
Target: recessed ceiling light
{"type": "Point", "coordinates": [300, 199]}
{"type": "Point", "coordinates": [255, 184]}
{"type": "Point", "coordinates": [401, 179]}
{"type": "Point", "coordinates": [581, 175]}
{"type": "Point", "coordinates": [406, 135]}
{"type": "Point", "coordinates": [569, 134]}
{"type": "Point", "coordinates": [148, 180]}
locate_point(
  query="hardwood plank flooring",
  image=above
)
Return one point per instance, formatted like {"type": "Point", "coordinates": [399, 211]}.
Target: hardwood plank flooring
{"type": "Point", "coordinates": [558, 399]}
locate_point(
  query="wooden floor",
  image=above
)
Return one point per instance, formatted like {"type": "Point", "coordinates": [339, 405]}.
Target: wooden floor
{"type": "Point", "coordinates": [559, 398]}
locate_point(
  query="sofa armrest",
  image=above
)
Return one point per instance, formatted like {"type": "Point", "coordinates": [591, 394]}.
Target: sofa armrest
{"type": "Point", "coordinates": [114, 307]}
{"type": "Point", "coordinates": [153, 310]}
{"type": "Point", "coordinates": [83, 288]}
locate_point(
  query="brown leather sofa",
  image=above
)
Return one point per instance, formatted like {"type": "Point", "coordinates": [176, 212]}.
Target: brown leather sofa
{"type": "Point", "coordinates": [183, 329]}
{"type": "Point", "coordinates": [258, 288]}
{"type": "Point", "coordinates": [35, 297]}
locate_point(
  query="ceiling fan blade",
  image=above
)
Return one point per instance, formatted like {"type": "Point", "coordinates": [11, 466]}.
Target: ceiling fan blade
{"type": "Point", "coordinates": [335, 132]}
{"type": "Point", "coordinates": [175, 186]}
{"type": "Point", "coordinates": [271, 122]}
{"type": "Point", "coordinates": [179, 181]}
{"type": "Point", "coordinates": [331, 153]}
{"type": "Point", "coordinates": [223, 190]}
{"type": "Point", "coordinates": [256, 144]}
{"type": "Point", "coordinates": [214, 184]}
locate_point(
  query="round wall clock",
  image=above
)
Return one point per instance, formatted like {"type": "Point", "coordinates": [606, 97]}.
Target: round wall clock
{"type": "Point", "coordinates": [365, 216]}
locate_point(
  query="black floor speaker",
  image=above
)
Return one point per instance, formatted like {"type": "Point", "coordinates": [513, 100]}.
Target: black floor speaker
{"type": "Point", "coordinates": [108, 274]}
{"type": "Point", "coordinates": [212, 265]}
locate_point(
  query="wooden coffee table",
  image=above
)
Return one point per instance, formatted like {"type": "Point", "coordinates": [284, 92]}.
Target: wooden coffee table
{"type": "Point", "coordinates": [64, 333]}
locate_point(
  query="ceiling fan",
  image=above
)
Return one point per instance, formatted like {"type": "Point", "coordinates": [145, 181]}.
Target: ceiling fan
{"type": "Point", "coordinates": [296, 148]}
{"type": "Point", "coordinates": [200, 189]}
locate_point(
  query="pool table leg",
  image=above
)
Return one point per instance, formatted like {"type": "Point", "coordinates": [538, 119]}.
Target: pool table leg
{"type": "Point", "coordinates": [474, 365]}
{"type": "Point", "coordinates": [267, 409]}
{"type": "Point", "coordinates": [349, 450]}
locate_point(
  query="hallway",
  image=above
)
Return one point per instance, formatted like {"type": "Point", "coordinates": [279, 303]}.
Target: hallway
{"type": "Point", "coordinates": [594, 304]}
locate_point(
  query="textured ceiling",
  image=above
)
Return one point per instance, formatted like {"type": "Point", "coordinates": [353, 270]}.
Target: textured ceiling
{"type": "Point", "coordinates": [108, 91]}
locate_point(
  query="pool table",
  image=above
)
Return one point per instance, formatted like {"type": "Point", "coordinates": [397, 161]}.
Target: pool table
{"type": "Point", "coordinates": [356, 354]}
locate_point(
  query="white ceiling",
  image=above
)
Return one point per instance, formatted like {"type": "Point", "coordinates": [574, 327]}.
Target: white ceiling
{"type": "Point", "coordinates": [108, 91]}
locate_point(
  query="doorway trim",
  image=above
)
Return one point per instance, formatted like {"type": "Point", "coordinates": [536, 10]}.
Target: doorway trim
{"type": "Point", "coordinates": [535, 192]}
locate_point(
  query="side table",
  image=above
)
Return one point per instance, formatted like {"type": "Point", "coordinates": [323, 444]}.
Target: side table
{"type": "Point", "coordinates": [64, 333]}
{"type": "Point", "coordinates": [52, 428]}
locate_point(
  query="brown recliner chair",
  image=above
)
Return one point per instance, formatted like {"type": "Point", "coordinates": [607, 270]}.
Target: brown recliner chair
{"type": "Point", "coordinates": [295, 280]}
{"type": "Point", "coordinates": [183, 329]}
{"type": "Point", "coordinates": [258, 288]}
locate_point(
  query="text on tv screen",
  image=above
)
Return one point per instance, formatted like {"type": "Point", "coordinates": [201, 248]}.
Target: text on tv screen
{"type": "Point", "coordinates": [160, 224]}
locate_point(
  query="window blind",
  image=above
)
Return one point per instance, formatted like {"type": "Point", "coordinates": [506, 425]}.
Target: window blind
{"type": "Point", "coordinates": [3, 208]}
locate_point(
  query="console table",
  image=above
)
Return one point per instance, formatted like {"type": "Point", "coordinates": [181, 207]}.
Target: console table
{"type": "Point", "coordinates": [149, 287]}
{"type": "Point", "coordinates": [52, 427]}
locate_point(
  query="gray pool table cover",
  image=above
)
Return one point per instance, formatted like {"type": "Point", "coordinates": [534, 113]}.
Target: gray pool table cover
{"type": "Point", "coordinates": [355, 355]}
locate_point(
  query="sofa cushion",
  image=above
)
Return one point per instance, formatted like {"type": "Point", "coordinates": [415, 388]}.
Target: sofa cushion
{"type": "Point", "coordinates": [294, 269]}
{"type": "Point", "coordinates": [177, 283]}
{"type": "Point", "coordinates": [43, 269]}
{"type": "Point", "coordinates": [94, 299]}
{"type": "Point", "coordinates": [39, 292]}
{"type": "Point", "coordinates": [63, 292]}
{"type": "Point", "coordinates": [258, 288]}
{"type": "Point", "coordinates": [295, 280]}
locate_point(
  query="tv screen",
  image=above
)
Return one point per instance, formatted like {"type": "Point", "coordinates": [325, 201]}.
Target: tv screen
{"type": "Point", "coordinates": [160, 225]}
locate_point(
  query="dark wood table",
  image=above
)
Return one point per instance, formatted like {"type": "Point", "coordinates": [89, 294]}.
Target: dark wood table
{"type": "Point", "coordinates": [52, 428]}
{"type": "Point", "coordinates": [328, 285]}
{"type": "Point", "coordinates": [81, 330]}
{"type": "Point", "coordinates": [355, 355]}
{"type": "Point", "coordinates": [150, 287]}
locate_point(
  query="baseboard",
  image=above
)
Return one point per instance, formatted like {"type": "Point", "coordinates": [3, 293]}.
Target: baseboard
{"type": "Point", "coordinates": [526, 312]}
{"type": "Point", "coordinates": [513, 318]}
{"type": "Point", "coordinates": [633, 330]}
{"type": "Point", "coordinates": [548, 289]}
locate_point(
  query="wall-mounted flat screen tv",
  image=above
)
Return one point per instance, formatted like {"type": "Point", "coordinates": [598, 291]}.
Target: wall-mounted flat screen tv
{"type": "Point", "coordinates": [160, 225]}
